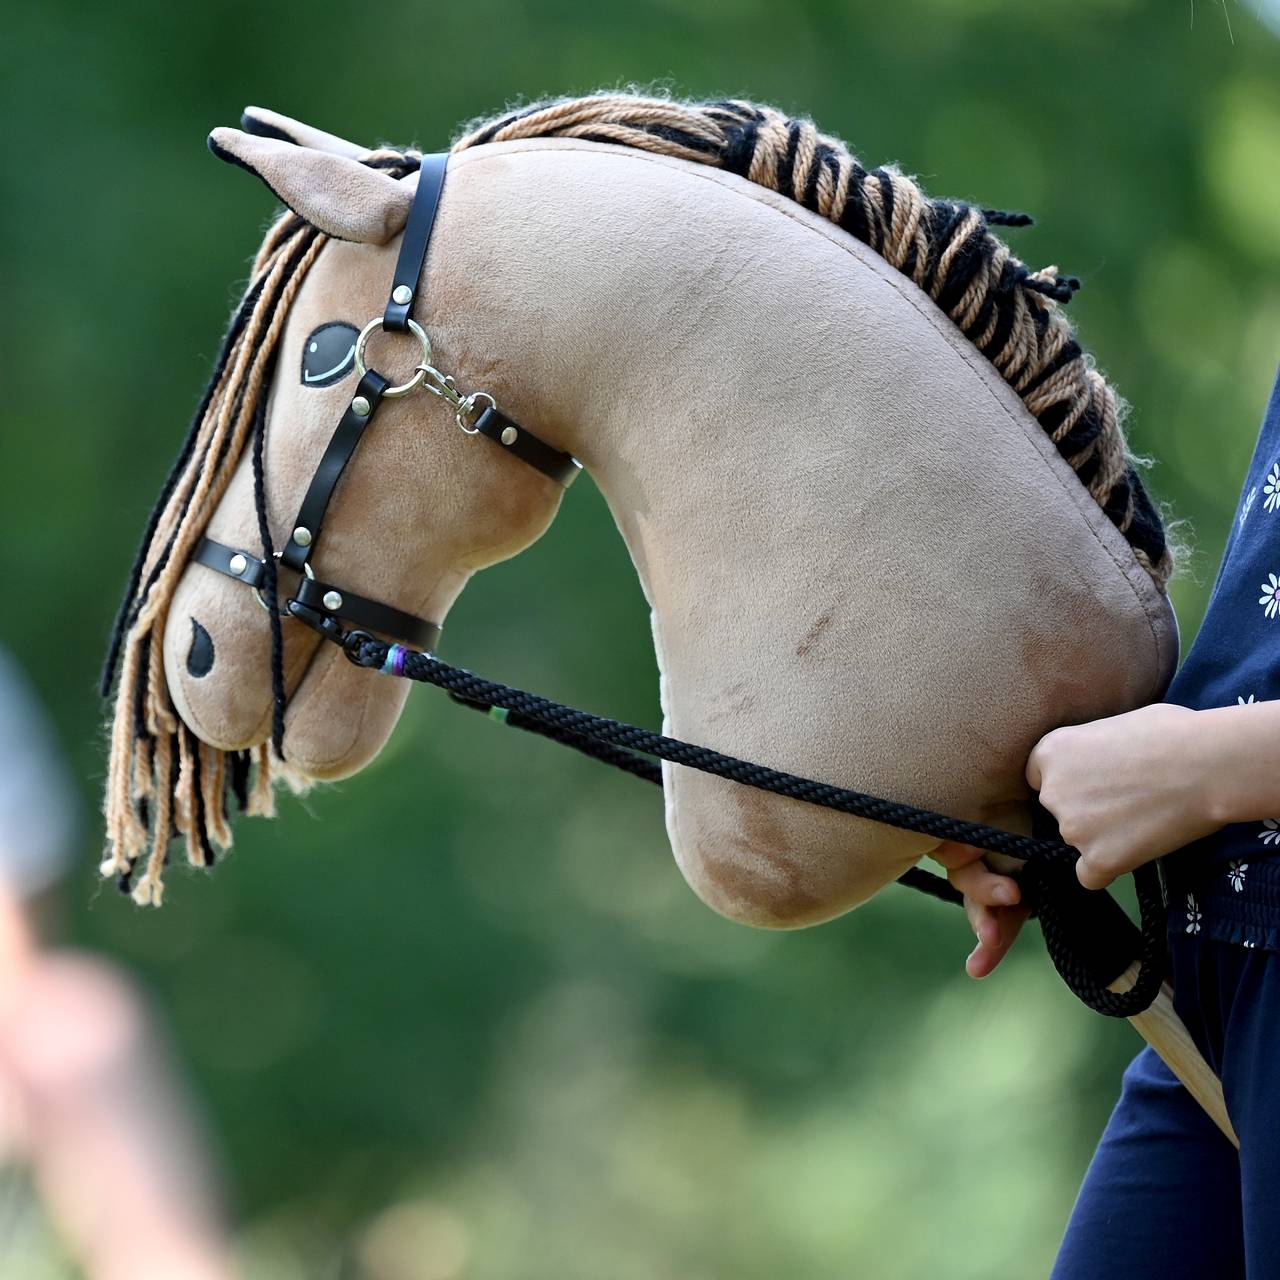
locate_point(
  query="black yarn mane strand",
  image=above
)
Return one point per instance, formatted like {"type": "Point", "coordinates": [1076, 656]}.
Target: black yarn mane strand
{"type": "Point", "coordinates": [199, 819]}
{"type": "Point", "coordinates": [269, 559]}
{"type": "Point", "coordinates": [787, 166]}
{"type": "Point", "coordinates": [237, 782]}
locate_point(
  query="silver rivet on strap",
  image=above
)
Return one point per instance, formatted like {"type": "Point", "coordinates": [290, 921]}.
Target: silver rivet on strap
{"type": "Point", "coordinates": [361, 406]}
{"type": "Point", "coordinates": [402, 294]}
{"type": "Point", "coordinates": [509, 435]}
{"type": "Point", "coordinates": [332, 601]}
{"type": "Point", "coordinates": [238, 564]}
{"type": "Point", "coordinates": [302, 536]}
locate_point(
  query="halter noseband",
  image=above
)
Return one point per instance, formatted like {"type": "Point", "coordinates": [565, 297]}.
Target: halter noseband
{"type": "Point", "coordinates": [321, 601]}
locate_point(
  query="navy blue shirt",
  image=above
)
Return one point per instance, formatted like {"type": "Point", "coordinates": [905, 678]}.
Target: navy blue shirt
{"type": "Point", "coordinates": [1227, 886]}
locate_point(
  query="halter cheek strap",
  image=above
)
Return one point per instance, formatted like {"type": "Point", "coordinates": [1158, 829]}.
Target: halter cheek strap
{"type": "Point", "coordinates": [322, 599]}
{"type": "Point", "coordinates": [342, 446]}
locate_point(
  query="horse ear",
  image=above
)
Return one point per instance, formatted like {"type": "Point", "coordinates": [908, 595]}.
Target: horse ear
{"type": "Point", "coordinates": [271, 124]}
{"type": "Point", "coordinates": [334, 193]}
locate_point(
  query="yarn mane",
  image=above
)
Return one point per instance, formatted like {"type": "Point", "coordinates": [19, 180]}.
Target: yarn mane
{"type": "Point", "coordinates": [163, 782]}
{"type": "Point", "coordinates": [1007, 311]}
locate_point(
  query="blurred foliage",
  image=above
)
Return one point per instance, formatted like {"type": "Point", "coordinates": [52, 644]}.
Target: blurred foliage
{"type": "Point", "coordinates": [447, 1028]}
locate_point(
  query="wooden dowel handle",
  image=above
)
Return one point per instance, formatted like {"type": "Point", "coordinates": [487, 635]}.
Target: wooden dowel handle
{"type": "Point", "coordinates": [1166, 1033]}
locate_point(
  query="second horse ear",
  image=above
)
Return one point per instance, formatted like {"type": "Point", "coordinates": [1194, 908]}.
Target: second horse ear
{"type": "Point", "coordinates": [271, 124]}
{"type": "Point", "coordinates": [334, 193]}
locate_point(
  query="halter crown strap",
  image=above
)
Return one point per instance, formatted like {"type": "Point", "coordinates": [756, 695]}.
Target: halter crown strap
{"type": "Point", "coordinates": [413, 248]}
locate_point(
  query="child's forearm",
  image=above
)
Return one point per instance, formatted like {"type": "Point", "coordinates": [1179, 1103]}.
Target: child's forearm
{"type": "Point", "coordinates": [1240, 750]}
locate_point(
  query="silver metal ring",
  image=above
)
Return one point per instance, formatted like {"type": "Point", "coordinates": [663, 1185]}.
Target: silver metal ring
{"type": "Point", "coordinates": [418, 374]}
{"type": "Point", "coordinates": [467, 408]}
{"type": "Point", "coordinates": [257, 591]}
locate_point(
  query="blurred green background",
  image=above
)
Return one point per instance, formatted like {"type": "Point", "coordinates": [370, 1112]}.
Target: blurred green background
{"type": "Point", "coordinates": [446, 1030]}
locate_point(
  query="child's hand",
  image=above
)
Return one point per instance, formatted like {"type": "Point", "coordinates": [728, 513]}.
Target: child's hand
{"type": "Point", "coordinates": [991, 901]}
{"type": "Point", "coordinates": [1126, 789]}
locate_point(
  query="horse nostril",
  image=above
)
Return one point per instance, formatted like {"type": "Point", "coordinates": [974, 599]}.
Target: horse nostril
{"type": "Point", "coordinates": [200, 655]}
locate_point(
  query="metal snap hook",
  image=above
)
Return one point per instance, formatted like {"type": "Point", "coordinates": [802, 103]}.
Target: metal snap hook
{"type": "Point", "coordinates": [468, 406]}
{"type": "Point", "coordinates": [418, 332]}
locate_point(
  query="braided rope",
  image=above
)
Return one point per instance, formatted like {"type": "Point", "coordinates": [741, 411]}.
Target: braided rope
{"type": "Point", "coordinates": [1084, 932]}
{"type": "Point", "coordinates": [1008, 311]}
{"type": "Point", "coordinates": [641, 766]}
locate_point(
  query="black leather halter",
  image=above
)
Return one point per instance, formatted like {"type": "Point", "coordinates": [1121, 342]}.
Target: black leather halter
{"type": "Point", "coordinates": [323, 598]}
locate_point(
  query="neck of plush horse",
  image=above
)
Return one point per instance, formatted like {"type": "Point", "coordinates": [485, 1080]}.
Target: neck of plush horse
{"type": "Point", "coordinates": [777, 419]}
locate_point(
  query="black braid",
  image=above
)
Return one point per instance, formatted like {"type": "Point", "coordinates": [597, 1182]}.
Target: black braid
{"type": "Point", "coordinates": [269, 560]}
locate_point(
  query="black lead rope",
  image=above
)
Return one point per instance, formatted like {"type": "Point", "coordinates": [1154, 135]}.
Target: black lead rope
{"type": "Point", "coordinates": [1088, 936]}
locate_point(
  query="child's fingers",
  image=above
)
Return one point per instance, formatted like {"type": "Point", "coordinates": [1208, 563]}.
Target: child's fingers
{"type": "Point", "coordinates": [952, 855]}
{"type": "Point", "coordinates": [969, 874]}
{"type": "Point", "coordinates": [984, 923]}
{"type": "Point", "coordinates": [977, 881]}
{"type": "Point", "coordinates": [996, 930]}
{"type": "Point", "coordinates": [1098, 870]}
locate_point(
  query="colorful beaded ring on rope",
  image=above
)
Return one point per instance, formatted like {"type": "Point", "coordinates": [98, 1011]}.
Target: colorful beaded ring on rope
{"type": "Point", "coordinates": [394, 664]}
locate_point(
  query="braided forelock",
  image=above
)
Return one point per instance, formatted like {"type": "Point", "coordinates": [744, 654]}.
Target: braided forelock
{"type": "Point", "coordinates": [946, 247]}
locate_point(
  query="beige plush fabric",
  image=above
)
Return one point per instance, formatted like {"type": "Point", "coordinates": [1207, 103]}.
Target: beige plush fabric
{"type": "Point", "coordinates": [866, 561]}
{"type": "Point", "coordinates": [336, 193]}
{"type": "Point", "coordinates": [305, 135]}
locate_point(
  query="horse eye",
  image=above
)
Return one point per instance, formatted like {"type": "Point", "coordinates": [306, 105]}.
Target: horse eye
{"type": "Point", "coordinates": [329, 354]}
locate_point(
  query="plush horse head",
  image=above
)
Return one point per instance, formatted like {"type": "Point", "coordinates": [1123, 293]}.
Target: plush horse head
{"type": "Point", "coordinates": [878, 498]}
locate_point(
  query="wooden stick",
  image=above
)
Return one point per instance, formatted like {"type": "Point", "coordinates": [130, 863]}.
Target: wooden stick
{"type": "Point", "coordinates": [1166, 1033]}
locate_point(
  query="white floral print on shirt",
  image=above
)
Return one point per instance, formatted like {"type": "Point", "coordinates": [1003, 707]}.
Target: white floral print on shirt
{"type": "Point", "coordinates": [1270, 603]}
{"type": "Point", "coordinates": [1272, 488]}
{"type": "Point", "coordinates": [1245, 702]}
{"type": "Point", "coordinates": [1248, 505]}
{"type": "Point", "coordinates": [1270, 833]}
{"type": "Point", "coordinates": [1235, 874]}
{"type": "Point", "coordinates": [1193, 915]}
